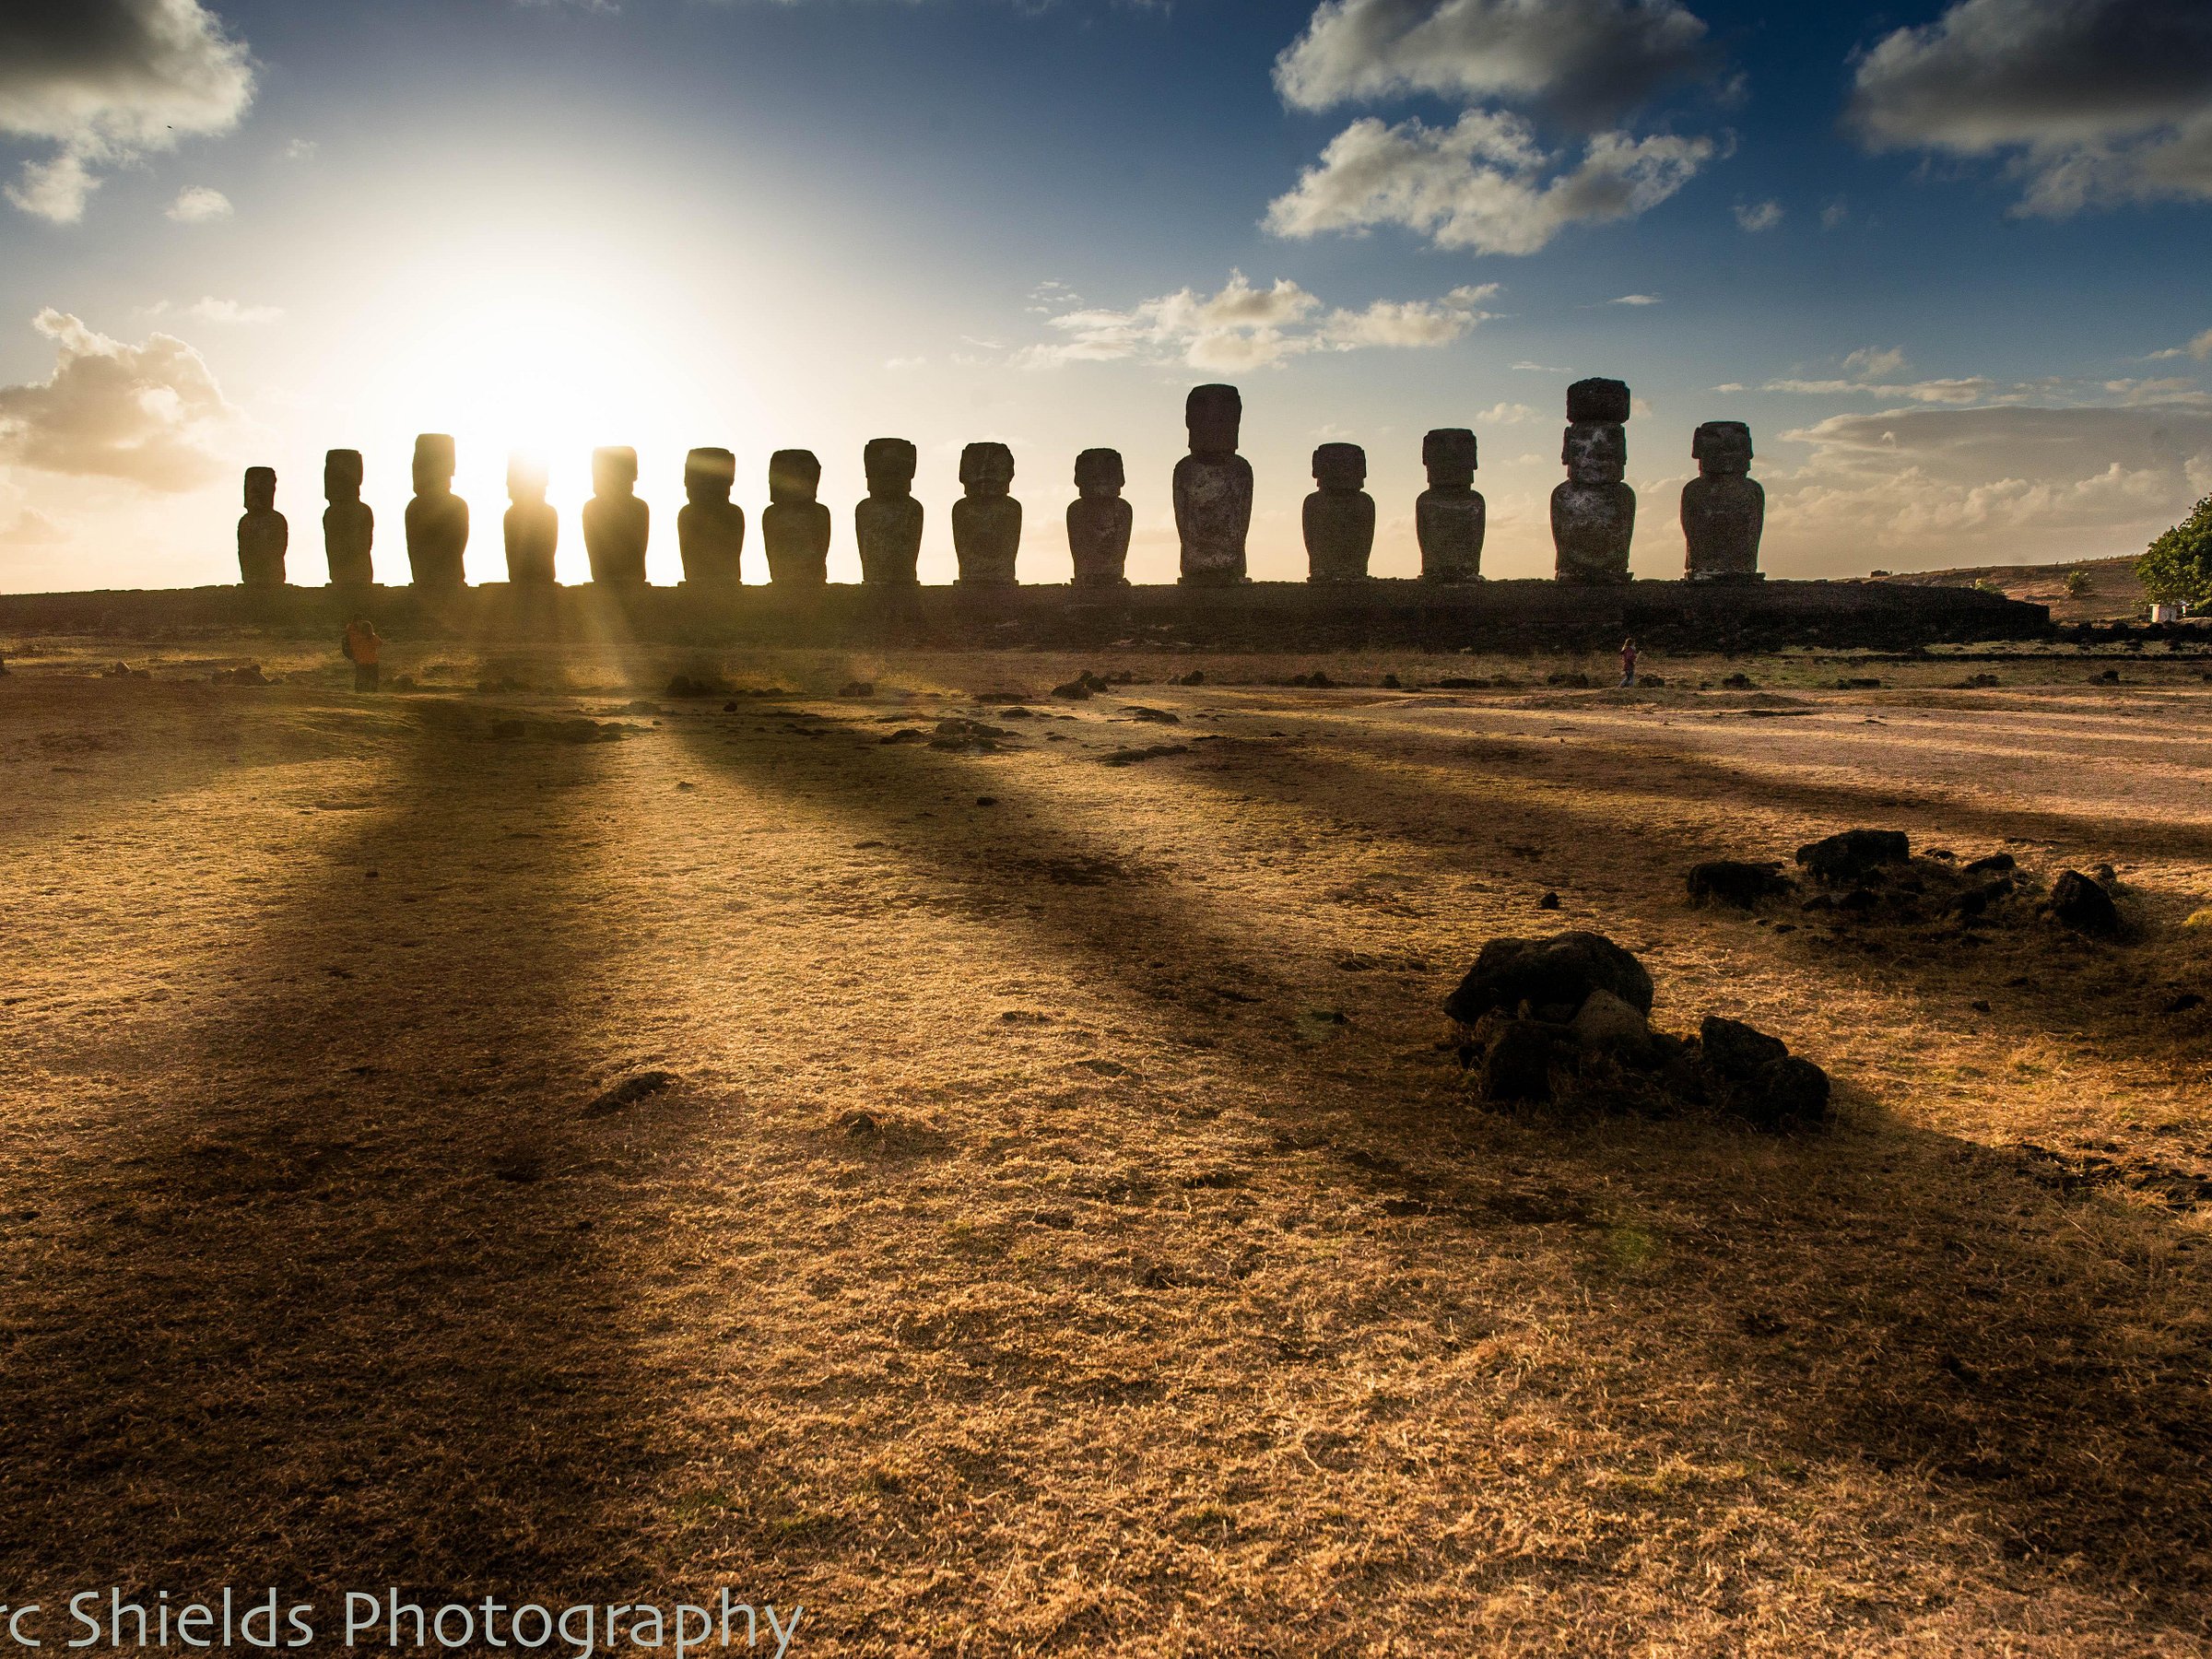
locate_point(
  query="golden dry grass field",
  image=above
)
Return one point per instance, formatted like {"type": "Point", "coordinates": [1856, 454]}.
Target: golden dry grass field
{"type": "Point", "coordinates": [1068, 1233]}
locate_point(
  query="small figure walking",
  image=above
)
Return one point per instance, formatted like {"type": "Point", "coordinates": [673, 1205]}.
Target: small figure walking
{"type": "Point", "coordinates": [362, 646]}
{"type": "Point", "coordinates": [1628, 662]}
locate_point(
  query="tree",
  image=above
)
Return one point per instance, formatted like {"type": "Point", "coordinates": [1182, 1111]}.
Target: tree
{"type": "Point", "coordinates": [2177, 568]}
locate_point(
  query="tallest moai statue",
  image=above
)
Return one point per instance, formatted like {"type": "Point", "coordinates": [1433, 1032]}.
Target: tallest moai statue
{"type": "Point", "coordinates": [1212, 490]}
{"type": "Point", "coordinates": [1593, 513]}
{"type": "Point", "coordinates": [437, 518]}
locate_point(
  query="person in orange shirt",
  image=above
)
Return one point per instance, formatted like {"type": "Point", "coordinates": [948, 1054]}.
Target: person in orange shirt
{"type": "Point", "coordinates": [362, 646]}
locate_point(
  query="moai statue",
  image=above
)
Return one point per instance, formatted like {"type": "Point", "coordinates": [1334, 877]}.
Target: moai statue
{"type": "Point", "coordinates": [795, 527]}
{"type": "Point", "coordinates": [437, 518]}
{"type": "Point", "coordinates": [533, 527]}
{"type": "Point", "coordinates": [262, 535]}
{"type": "Point", "coordinates": [986, 522]}
{"type": "Point", "coordinates": [1099, 520]}
{"type": "Point", "coordinates": [1593, 513]}
{"type": "Point", "coordinates": [348, 524]}
{"type": "Point", "coordinates": [615, 523]}
{"type": "Point", "coordinates": [1449, 517]}
{"type": "Point", "coordinates": [1723, 509]}
{"type": "Point", "coordinates": [1212, 490]}
{"type": "Point", "coordinates": [709, 527]}
{"type": "Point", "coordinates": [1340, 515]}
{"type": "Point", "coordinates": [889, 520]}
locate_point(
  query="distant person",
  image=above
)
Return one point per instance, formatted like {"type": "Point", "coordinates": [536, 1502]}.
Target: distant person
{"type": "Point", "coordinates": [1628, 662]}
{"type": "Point", "coordinates": [361, 647]}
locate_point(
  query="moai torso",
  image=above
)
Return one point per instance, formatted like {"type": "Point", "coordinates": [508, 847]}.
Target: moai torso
{"type": "Point", "coordinates": [533, 528]}
{"type": "Point", "coordinates": [1212, 490]}
{"type": "Point", "coordinates": [615, 523]}
{"type": "Point", "coordinates": [262, 536]}
{"type": "Point", "coordinates": [348, 525]}
{"type": "Point", "coordinates": [795, 527]}
{"type": "Point", "coordinates": [437, 518]}
{"type": "Point", "coordinates": [709, 527]}
{"type": "Point", "coordinates": [1724, 509]}
{"type": "Point", "coordinates": [889, 520]}
{"type": "Point", "coordinates": [1450, 516]}
{"type": "Point", "coordinates": [986, 522]}
{"type": "Point", "coordinates": [1098, 521]}
{"type": "Point", "coordinates": [1339, 516]}
{"type": "Point", "coordinates": [1593, 513]}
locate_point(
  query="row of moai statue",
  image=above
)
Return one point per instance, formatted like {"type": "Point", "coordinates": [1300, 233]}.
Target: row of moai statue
{"type": "Point", "coordinates": [1592, 514]}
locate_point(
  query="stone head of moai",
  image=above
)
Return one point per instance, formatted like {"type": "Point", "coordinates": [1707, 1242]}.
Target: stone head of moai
{"type": "Point", "coordinates": [342, 475]}
{"type": "Point", "coordinates": [526, 478]}
{"type": "Point", "coordinates": [1340, 466]}
{"type": "Point", "coordinates": [793, 475]}
{"type": "Point", "coordinates": [1099, 471]}
{"type": "Point", "coordinates": [1722, 448]}
{"type": "Point", "coordinates": [986, 469]}
{"type": "Point", "coordinates": [889, 464]}
{"type": "Point", "coordinates": [1449, 454]}
{"type": "Point", "coordinates": [433, 463]}
{"type": "Point", "coordinates": [1212, 415]}
{"type": "Point", "coordinates": [1595, 452]}
{"type": "Point", "coordinates": [615, 470]}
{"type": "Point", "coordinates": [261, 490]}
{"type": "Point", "coordinates": [1598, 400]}
{"type": "Point", "coordinates": [709, 475]}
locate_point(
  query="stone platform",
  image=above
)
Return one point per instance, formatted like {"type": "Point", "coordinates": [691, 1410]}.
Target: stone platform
{"type": "Point", "coordinates": [1258, 616]}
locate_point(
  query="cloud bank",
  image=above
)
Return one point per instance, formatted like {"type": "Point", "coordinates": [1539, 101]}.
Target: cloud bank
{"type": "Point", "coordinates": [107, 82]}
{"type": "Point", "coordinates": [150, 414]}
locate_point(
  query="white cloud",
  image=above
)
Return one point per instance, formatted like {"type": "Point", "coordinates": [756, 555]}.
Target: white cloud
{"type": "Point", "coordinates": [1834, 214]}
{"type": "Point", "coordinates": [1635, 300]}
{"type": "Point", "coordinates": [208, 309]}
{"type": "Point", "coordinates": [2087, 103]}
{"type": "Point", "coordinates": [1755, 216]}
{"type": "Point", "coordinates": [1541, 369]}
{"type": "Point", "coordinates": [107, 81]}
{"type": "Point", "coordinates": [1244, 327]}
{"type": "Point", "coordinates": [301, 149]}
{"type": "Point", "coordinates": [1482, 182]}
{"type": "Point", "coordinates": [198, 204]}
{"type": "Point", "coordinates": [1872, 364]}
{"type": "Point", "coordinates": [2200, 348]}
{"type": "Point", "coordinates": [1506, 414]}
{"type": "Point", "coordinates": [149, 414]}
{"type": "Point", "coordinates": [1588, 59]}
{"type": "Point", "coordinates": [1970, 389]}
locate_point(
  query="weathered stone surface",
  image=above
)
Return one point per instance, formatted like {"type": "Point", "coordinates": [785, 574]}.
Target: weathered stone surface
{"type": "Point", "coordinates": [1593, 513]}
{"type": "Point", "coordinates": [1212, 490]}
{"type": "Point", "coordinates": [1598, 400]}
{"type": "Point", "coordinates": [2081, 903]}
{"type": "Point", "coordinates": [1851, 856]}
{"type": "Point", "coordinates": [617, 525]}
{"type": "Point", "coordinates": [262, 536]}
{"type": "Point", "coordinates": [531, 529]}
{"type": "Point", "coordinates": [888, 521]}
{"type": "Point", "coordinates": [1552, 975]}
{"type": "Point", "coordinates": [1450, 517]}
{"type": "Point", "coordinates": [1605, 1025]}
{"type": "Point", "coordinates": [795, 527]}
{"type": "Point", "coordinates": [1339, 516]}
{"type": "Point", "coordinates": [1098, 521]}
{"type": "Point", "coordinates": [986, 522]}
{"type": "Point", "coordinates": [1733, 882]}
{"type": "Point", "coordinates": [709, 527]}
{"type": "Point", "coordinates": [1757, 1079]}
{"type": "Point", "coordinates": [1516, 1062]}
{"type": "Point", "coordinates": [1723, 511]}
{"type": "Point", "coordinates": [348, 524]}
{"type": "Point", "coordinates": [437, 521]}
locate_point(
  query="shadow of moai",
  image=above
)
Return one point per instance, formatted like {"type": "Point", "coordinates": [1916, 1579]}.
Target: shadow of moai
{"type": "Point", "coordinates": [889, 520]}
{"type": "Point", "coordinates": [349, 524]}
{"type": "Point", "coordinates": [1594, 512]}
{"type": "Point", "coordinates": [986, 522]}
{"type": "Point", "coordinates": [615, 523]}
{"type": "Point", "coordinates": [533, 528]}
{"type": "Point", "coordinates": [1098, 521]}
{"type": "Point", "coordinates": [262, 536]}
{"type": "Point", "coordinates": [1339, 517]}
{"type": "Point", "coordinates": [709, 527]}
{"type": "Point", "coordinates": [1450, 516]}
{"type": "Point", "coordinates": [437, 518]}
{"type": "Point", "coordinates": [1724, 509]}
{"type": "Point", "coordinates": [795, 527]}
{"type": "Point", "coordinates": [1212, 490]}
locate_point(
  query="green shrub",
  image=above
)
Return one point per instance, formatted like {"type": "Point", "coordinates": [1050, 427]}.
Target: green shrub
{"type": "Point", "coordinates": [2177, 568]}
{"type": "Point", "coordinates": [2077, 583]}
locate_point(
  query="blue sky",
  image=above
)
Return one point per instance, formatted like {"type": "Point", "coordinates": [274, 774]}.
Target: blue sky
{"type": "Point", "coordinates": [1945, 259]}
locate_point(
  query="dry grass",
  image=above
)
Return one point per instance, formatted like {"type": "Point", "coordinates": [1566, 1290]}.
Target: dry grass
{"type": "Point", "coordinates": [1067, 1235]}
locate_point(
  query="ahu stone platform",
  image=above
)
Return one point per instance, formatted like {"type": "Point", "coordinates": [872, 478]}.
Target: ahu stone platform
{"type": "Point", "coordinates": [1255, 617]}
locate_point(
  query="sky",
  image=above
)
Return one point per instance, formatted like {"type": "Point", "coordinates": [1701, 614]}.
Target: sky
{"type": "Point", "coordinates": [1945, 259]}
